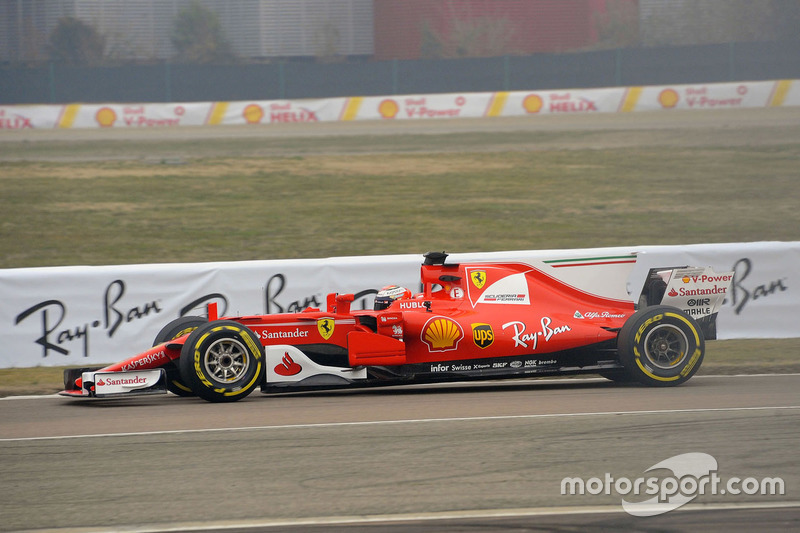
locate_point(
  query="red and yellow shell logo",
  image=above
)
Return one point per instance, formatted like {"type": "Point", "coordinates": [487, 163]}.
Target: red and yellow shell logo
{"type": "Point", "coordinates": [532, 103]}
{"type": "Point", "coordinates": [686, 279]}
{"type": "Point", "coordinates": [668, 98]}
{"type": "Point", "coordinates": [253, 114]}
{"type": "Point", "coordinates": [388, 109]}
{"type": "Point", "coordinates": [442, 334]}
{"type": "Point", "coordinates": [106, 117]}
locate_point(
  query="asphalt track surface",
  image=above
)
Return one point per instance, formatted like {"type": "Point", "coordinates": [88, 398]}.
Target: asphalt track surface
{"type": "Point", "coordinates": [483, 456]}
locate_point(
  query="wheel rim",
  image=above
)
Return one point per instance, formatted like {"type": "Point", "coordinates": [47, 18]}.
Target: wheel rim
{"type": "Point", "coordinates": [666, 346]}
{"type": "Point", "coordinates": [226, 360]}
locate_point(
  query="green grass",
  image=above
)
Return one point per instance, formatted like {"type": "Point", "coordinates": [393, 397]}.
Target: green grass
{"type": "Point", "coordinates": [262, 208]}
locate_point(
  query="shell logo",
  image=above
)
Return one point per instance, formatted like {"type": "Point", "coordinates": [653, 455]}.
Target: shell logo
{"type": "Point", "coordinates": [388, 109]}
{"type": "Point", "coordinates": [106, 117]}
{"type": "Point", "coordinates": [686, 279]}
{"type": "Point", "coordinates": [668, 98]}
{"type": "Point", "coordinates": [253, 114]}
{"type": "Point", "coordinates": [442, 334]}
{"type": "Point", "coordinates": [532, 103]}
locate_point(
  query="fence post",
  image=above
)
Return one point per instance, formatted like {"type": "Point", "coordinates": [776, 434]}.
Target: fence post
{"type": "Point", "coordinates": [394, 76]}
{"type": "Point", "coordinates": [618, 67]}
{"type": "Point", "coordinates": [506, 73]}
{"type": "Point", "coordinates": [731, 61]}
{"type": "Point", "coordinates": [168, 81]}
{"type": "Point", "coordinates": [281, 81]}
{"type": "Point", "coordinates": [52, 82]}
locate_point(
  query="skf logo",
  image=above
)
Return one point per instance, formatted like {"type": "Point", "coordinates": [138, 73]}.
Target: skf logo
{"type": "Point", "coordinates": [325, 327]}
{"type": "Point", "coordinates": [478, 278]}
{"type": "Point", "coordinates": [441, 334]}
{"type": "Point", "coordinates": [482, 335]}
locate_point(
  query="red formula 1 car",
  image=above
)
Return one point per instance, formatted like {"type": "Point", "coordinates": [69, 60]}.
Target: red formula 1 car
{"type": "Point", "coordinates": [471, 321]}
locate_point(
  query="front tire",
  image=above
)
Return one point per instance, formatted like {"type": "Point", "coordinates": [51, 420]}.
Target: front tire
{"type": "Point", "coordinates": [661, 346]}
{"type": "Point", "coordinates": [222, 361]}
{"type": "Point", "coordinates": [178, 328]}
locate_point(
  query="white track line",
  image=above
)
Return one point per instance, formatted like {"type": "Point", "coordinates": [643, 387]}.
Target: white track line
{"type": "Point", "coordinates": [415, 517]}
{"type": "Point", "coordinates": [487, 382]}
{"type": "Point", "coordinates": [406, 421]}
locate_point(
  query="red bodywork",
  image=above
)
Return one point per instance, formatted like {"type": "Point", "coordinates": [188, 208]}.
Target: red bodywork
{"type": "Point", "coordinates": [465, 312]}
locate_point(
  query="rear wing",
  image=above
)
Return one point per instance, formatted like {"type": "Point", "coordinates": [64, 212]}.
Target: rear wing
{"type": "Point", "coordinates": [697, 291]}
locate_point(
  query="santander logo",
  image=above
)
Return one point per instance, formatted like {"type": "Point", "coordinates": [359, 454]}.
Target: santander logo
{"type": "Point", "coordinates": [288, 367]}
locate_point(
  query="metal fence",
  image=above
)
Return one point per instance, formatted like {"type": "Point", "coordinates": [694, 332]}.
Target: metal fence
{"type": "Point", "coordinates": [304, 79]}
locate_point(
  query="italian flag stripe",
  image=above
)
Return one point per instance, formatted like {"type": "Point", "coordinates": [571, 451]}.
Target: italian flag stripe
{"type": "Point", "coordinates": [591, 261]}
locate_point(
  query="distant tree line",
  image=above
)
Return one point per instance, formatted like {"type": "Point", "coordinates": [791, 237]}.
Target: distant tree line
{"type": "Point", "coordinates": [196, 35]}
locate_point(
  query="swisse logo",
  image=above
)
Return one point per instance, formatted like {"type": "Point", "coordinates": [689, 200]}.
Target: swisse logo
{"type": "Point", "coordinates": [482, 335]}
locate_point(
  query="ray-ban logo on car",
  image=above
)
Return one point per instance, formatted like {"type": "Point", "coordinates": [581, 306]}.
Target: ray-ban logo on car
{"type": "Point", "coordinates": [691, 475]}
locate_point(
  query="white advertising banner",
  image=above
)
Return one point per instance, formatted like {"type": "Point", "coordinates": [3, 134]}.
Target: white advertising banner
{"type": "Point", "coordinates": [22, 117]}
{"type": "Point", "coordinates": [707, 96]}
{"type": "Point", "coordinates": [97, 315]}
{"type": "Point", "coordinates": [140, 115]}
{"type": "Point", "coordinates": [564, 102]}
{"type": "Point", "coordinates": [406, 107]}
{"type": "Point", "coordinates": [281, 111]}
{"type": "Point", "coordinates": [421, 106]}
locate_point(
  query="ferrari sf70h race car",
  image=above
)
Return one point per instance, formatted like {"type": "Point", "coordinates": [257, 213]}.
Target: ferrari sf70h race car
{"type": "Point", "coordinates": [470, 321]}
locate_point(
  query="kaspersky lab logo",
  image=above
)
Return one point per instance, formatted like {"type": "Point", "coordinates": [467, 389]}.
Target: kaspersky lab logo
{"type": "Point", "coordinates": [693, 474]}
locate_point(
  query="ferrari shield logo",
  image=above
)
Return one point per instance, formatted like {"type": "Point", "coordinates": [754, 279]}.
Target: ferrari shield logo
{"type": "Point", "coordinates": [478, 278]}
{"type": "Point", "coordinates": [325, 327]}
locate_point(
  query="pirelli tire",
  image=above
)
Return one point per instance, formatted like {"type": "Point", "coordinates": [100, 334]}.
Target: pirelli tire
{"type": "Point", "coordinates": [178, 328]}
{"type": "Point", "coordinates": [661, 346]}
{"type": "Point", "coordinates": [222, 361]}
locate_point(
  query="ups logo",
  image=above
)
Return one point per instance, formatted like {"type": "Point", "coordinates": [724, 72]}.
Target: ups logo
{"type": "Point", "coordinates": [482, 335]}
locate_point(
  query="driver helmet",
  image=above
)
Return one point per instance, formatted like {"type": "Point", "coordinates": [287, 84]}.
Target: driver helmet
{"type": "Point", "coordinates": [389, 294]}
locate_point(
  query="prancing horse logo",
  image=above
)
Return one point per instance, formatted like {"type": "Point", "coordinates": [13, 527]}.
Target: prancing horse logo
{"type": "Point", "coordinates": [478, 278]}
{"type": "Point", "coordinates": [325, 327]}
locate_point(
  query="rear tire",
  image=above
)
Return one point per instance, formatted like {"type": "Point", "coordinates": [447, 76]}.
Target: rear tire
{"type": "Point", "coordinates": [661, 346]}
{"type": "Point", "coordinates": [178, 328]}
{"type": "Point", "coordinates": [222, 361]}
